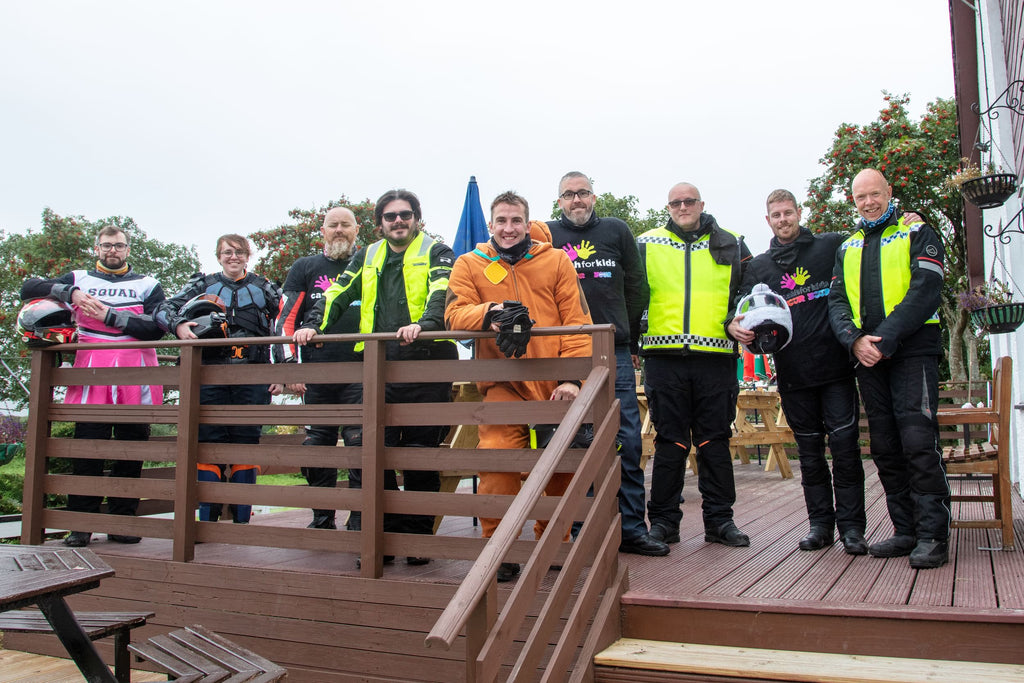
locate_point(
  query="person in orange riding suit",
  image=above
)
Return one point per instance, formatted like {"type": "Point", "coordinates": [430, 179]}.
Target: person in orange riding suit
{"type": "Point", "coordinates": [509, 267]}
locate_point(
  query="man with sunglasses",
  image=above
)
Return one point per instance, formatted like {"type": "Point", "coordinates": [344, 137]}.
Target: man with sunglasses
{"type": "Point", "coordinates": [607, 262]}
{"type": "Point", "coordinates": [693, 269]}
{"type": "Point", "coordinates": [401, 281]}
{"type": "Point", "coordinates": [112, 304]}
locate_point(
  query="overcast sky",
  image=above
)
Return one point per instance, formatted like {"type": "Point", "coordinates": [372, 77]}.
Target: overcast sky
{"type": "Point", "coordinates": [200, 118]}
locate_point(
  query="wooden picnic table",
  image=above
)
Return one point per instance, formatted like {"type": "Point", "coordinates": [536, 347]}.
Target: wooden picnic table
{"type": "Point", "coordinates": [43, 576]}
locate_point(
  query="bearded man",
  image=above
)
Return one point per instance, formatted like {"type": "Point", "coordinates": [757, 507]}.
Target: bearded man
{"type": "Point", "coordinates": [307, 280]}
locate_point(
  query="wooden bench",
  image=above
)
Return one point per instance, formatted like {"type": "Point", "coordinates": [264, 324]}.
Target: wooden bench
{"type": "Point", "coordinates": [95, 624]}
{"type": "Point", "coordinates": [990, 458]}
{"type": "Point", "coordinates": [194, 654]}
{"type": "Point", "coordinates": [652, 660]}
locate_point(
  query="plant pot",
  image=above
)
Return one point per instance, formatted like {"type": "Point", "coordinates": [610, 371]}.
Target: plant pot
{"type": "Point", "coordinates": [8, 451]}
{"type": "Point", "coordinates": [999, 319]}
{"type": "Point", "coordinates": [989, 191]}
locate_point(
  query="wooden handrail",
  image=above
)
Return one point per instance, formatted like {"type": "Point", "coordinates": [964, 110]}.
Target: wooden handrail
{"type": "Point", "coordinates": [482, 574]}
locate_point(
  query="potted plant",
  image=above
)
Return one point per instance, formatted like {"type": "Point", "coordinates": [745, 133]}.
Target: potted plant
{"type": "Point", "coordinates": [12, 437]}
{"type": "Point", "coordinates": [992, 308]}
{"type": "Point", "coordinates": [985, 190]}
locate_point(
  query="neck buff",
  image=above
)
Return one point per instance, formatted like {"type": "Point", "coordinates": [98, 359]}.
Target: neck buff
{"type": "Point", "coordinates": [120, 271]}
{"type": "Point", "coordinates": [883, 218]}
{"type": "Point", "coordinates": [516, 252]}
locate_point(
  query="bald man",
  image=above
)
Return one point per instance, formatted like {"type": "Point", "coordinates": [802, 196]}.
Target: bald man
{"type": "Point", "coordinates": [307, 280]}
{"type": "Point", "coordinates": [883, 306]}
{"type": "Point", "coordinates": [693, 269]}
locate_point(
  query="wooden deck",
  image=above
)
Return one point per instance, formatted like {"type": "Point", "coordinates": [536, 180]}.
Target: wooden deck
{"type": "Point", "coordinates": [315, 615]}
{"type": "Point", "coordinates": [773, 595]}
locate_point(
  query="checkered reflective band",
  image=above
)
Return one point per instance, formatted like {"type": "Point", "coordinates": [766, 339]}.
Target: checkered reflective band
{"type": "Point", "coordinates": [688, 339]}
{"type": "Point", "coordinates": [694, 246]}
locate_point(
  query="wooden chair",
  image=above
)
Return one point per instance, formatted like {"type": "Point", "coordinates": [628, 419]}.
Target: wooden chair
{"type": "Point", "coordinates": [990, 458]}
{"type": "Point", "coordinates": [196, 655]}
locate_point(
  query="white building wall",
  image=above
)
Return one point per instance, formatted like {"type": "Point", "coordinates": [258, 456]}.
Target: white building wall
{"type": "Point", "coordinates": [1004, 261]}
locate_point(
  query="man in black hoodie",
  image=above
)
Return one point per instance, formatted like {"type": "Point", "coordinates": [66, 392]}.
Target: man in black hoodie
{"type": "Point", "coordinates": [883, 307]}
{"type": "Point", "coordinates": [606, 259]}
{"type": "Point", "coordinates": [816, 381]}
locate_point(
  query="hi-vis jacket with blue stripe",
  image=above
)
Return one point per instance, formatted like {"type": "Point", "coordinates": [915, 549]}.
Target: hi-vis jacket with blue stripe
{"type": "Point", "coordinates": [693, 285]}
{"type": "Point", "coordinates": [887, 281]}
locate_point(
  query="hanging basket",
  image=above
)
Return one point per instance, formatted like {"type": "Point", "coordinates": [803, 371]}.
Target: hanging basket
{"type": "Point", "coordinates": [999, 319]}
{"type": "Point", "coordinates": [989, 191]}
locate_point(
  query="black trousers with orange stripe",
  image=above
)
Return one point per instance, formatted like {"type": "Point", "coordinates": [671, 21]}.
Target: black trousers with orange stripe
{"type": "Point", "coordinates": [692, 400]}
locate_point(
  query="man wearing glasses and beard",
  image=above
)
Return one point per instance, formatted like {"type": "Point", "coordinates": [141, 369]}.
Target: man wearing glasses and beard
{"type": "Point", "coordinates": [402, 281]}
{"type": "Point", "coordinates": [112, 304]}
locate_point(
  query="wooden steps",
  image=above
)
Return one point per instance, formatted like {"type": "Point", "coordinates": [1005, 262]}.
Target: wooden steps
{"type": "Point", "coordinates": [630, 659]}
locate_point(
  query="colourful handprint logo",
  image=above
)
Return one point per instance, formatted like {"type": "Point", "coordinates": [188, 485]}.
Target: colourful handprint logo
{"type": "Point", "coordinates": [323, 282]}
{"type": "Point", "coordinates": [796, 279]}
{"type": "Point", "coordinates": [585, 250]}
{"type": "Point", "coordinates": [570, 250]}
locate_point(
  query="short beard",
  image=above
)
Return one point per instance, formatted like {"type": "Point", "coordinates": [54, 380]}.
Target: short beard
{"type": "Point", "coordinates": [580, 223]}
{"type": "Point", "coordinates": [339, 250]}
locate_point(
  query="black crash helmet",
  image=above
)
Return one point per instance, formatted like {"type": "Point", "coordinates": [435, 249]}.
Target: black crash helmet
{"type": "Point", "coordinates": [42, 322]}
{"type": "Point", "coordinates": [767, 315]}
{"type": "Point", "coordinates": [209, 314]}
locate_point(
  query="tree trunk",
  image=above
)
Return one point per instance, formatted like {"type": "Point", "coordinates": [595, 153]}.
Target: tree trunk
{"type": "Point", "coordinates": [959, 336]}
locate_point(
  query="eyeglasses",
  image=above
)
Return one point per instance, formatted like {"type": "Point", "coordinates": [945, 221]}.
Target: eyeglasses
{"type": "Point", "coordinates": [689, 201]}
{"type": "Point", "coordinates": [392, 216]}
{"type": "Point", "coordinates": [569, 194]}
{"type": "Point", "coordinates": [231, 253]}
{"type": "Point", "coordinates": [107, 246]}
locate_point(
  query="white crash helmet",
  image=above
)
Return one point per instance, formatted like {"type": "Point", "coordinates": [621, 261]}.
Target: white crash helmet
{"type": "Point", "coordinates": [767, 315]}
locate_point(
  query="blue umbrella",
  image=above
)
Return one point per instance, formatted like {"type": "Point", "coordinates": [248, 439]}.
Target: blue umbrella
{"type": "Point", "coordinates": [472, 226]}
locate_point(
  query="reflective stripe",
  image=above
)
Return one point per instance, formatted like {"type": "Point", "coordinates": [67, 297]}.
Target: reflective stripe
{"type": "Point", "coordinates": [687, 339]}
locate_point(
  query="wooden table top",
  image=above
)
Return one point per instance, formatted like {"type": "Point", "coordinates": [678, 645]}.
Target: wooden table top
{"type": "Point", "coordinates": [28, 572]}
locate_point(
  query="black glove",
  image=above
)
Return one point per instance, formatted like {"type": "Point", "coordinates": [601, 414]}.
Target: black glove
{"type": "Point", "coordinates": [514, 328]}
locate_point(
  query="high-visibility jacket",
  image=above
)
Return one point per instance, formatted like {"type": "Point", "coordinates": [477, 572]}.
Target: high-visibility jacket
{"type": "Point", "coordinates": [894, 272]}
{"type": "Point", "coordinates": [692, 287]}
{"type": "Point", "coordinates": [887, 282]}
{"type": "Point", "coordinates": [425, 281]}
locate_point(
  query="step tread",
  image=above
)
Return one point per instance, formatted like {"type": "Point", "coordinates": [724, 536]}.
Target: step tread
{"type": "Point", "coordinates": [790, 665]}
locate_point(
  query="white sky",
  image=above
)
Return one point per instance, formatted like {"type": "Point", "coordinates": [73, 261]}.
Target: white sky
{"type": "Point", "coordinates": [200, 118]}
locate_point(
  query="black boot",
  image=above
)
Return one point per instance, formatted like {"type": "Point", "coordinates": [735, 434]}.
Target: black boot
{"type": "Point", "coordinates": [322, 519]}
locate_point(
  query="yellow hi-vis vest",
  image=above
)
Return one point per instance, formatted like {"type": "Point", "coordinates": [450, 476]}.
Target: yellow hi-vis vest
{"type": "Point", "coordinates": [894, 262]}
{"type": "Point", "coordinates": [415, 273]}
{"type": "Point", "coordinates": [689, 294]}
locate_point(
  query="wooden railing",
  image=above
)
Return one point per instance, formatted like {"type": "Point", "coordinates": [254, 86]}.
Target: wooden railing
{"type": "Point", "coordinates": [489, 635]}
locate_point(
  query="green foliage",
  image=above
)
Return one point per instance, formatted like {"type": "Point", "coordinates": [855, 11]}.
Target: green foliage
{"type": "Point", "coordinates": [63, 244]}
{"type": "Point", "coordinates": [625, 209]}
{"type": "Point", "coordinates": [917, 158]}
{"type": "Point", "coordinates": [12, 480]}
{"type": "Point", "coordinates": [290, 241]}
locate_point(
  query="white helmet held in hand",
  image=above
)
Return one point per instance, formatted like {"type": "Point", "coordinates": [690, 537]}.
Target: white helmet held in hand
{"type": "Point", "coordinates": [767, 315]}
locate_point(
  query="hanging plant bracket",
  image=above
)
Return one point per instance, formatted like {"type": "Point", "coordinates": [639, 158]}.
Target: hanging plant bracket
{"type": "Point", "coordinates": [1014, 102]}
{"type": "Point", "coordinates": [1003, 232]}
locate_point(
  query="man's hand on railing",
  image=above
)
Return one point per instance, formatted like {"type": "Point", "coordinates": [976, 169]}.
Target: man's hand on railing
{"type": "Point", "coordinates": [303, 335]}
{"type": "Point", "coordinates": [566, 391]}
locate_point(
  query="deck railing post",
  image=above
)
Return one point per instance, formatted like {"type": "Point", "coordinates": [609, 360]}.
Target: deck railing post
{"type": "Point", "coordinates": [36, 439]}
{"type": "Point", "coordinates": [187, 460]}
{"type": "Point", "coordinates": [478, 627]}
{"type": "Point", "coordinates": [372, 530]}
